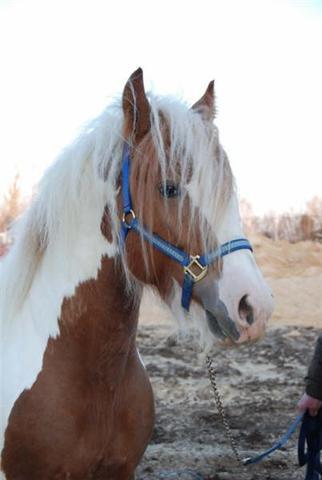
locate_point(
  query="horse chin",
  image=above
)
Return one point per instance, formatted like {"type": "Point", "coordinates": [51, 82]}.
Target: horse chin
{"type": "Point", "coordinates": [219, 322]}
{"type": "Point", "coordinates": [222, 326]}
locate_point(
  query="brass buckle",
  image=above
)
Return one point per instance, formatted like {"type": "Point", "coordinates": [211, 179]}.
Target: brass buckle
{"type": "Point", "coordinates": [195, 265]}
{"type": "Point", "coordinates": [127, 225]}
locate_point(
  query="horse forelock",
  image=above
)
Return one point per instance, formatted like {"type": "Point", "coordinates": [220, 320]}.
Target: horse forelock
{"type": "Point", "coordinates": [183, 147]}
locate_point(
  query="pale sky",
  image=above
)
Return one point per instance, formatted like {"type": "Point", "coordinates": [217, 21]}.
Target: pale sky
{"type": "Point", "coordinates": [63, 61]}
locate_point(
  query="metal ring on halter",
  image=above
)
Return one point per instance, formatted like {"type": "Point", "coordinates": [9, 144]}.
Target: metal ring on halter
{"type": "Point", "coordinates": [192, 265]}
{"type": "Point", "coordinates": [125, 214]}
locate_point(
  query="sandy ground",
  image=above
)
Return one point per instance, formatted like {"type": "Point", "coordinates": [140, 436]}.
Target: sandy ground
{"type": "Point", "coordinates": [260, 384]}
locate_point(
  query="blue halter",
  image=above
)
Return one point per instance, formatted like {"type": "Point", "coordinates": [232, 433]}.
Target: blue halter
{"type": "Point", "coordinates": [195, 266]}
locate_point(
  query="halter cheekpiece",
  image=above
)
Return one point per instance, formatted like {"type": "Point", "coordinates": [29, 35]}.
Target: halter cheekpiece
{"type": "Point", "coordinates": [195, 266]}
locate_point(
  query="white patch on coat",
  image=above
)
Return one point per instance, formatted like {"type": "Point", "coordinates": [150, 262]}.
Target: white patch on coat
{"type": "Point", "coordinates": [58, 245]}
{"type": "Point", "coordinates": [240, 275]}
{"type": "Point", "coordinates": [26, 337]}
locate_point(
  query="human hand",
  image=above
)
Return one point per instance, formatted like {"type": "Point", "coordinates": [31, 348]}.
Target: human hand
{"type": "Point", "coordinates": [311, 404]}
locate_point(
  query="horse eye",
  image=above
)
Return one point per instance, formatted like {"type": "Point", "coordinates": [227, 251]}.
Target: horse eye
{"type": "Point", "coordinates": [169, 190]}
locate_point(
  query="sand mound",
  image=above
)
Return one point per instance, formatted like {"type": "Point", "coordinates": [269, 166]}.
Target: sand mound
{"type": "Point", "coordinates": [281, 259]}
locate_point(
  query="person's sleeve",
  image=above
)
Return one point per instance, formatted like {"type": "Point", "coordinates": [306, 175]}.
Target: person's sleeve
{"type": "Point", "coordinates": [314, 375]}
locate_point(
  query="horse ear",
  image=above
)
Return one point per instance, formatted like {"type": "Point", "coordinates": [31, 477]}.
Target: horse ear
{"type": "Point", "coordinates": [206, 105]}
{"type": "Point", "coordinates": [136, 107]}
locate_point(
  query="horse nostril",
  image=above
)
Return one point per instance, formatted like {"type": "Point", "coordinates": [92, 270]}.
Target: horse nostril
{"type": "Point", "coordinates": [246, 311]}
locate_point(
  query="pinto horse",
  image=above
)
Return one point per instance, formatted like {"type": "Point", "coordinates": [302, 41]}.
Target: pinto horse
{"type": "Point", "coordinates": [76, 401]}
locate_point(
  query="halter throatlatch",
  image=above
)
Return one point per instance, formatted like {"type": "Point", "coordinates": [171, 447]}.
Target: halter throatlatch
{"type": "Point", "coordinates": [195, 266]}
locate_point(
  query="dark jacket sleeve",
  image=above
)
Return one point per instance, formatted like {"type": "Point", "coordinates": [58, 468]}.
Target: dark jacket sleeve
{"type": "Point", "coordinates": [314, 375]}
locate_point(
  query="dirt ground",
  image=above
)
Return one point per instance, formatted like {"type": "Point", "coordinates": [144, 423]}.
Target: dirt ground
{"type": "Point", "coordinates": [260, 383]}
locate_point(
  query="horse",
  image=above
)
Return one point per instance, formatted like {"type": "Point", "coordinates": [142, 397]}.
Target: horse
{"type": "Point", "coordinates": [143, 183]}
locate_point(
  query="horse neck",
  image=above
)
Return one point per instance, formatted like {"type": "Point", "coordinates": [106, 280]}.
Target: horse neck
{"type": "Point", "coordinates": [101, 318]}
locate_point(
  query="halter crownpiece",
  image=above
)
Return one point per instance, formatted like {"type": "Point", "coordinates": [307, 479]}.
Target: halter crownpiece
{"type": "Point", "coordinates": [195, 266]}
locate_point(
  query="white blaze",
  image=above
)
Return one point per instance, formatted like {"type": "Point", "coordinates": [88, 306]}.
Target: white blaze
{"type": "Point", "coordinates": [242, 277]}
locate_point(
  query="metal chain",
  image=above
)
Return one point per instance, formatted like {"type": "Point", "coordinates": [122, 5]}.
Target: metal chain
{"type": "Point", "coordinates": [221, 409]}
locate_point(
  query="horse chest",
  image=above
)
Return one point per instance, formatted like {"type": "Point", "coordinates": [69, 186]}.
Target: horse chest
{"type": "Point", "coordinates": [85, 429]}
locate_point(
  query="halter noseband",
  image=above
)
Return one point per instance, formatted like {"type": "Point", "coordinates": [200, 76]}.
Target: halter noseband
{"type": "Point", "coordinates": [195, 266]}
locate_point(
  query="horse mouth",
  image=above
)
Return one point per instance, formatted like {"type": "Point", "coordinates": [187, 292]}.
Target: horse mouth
{"type": "Point", "coordinates": [222, 327]}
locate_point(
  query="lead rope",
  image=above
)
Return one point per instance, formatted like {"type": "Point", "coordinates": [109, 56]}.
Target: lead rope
{"type": "Point", "coordinates": [241, 461]}
{"type": "Point", "coordinates": [257, 458]}
{"type": "Point", "coordinates": [221, 410]}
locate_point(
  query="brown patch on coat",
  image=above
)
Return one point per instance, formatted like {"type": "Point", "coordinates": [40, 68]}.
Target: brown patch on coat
{"type": "Point", "coordinates": [90, 412]}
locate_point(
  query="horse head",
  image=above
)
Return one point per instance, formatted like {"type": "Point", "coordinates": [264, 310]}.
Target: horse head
{"type": "Point", "coordinates": [182, 191]}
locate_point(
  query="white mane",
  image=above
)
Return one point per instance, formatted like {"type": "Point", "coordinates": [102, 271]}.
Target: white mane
{"type": "Point", "coordinates": [68, 207]}
{"type": "Point", "coordinates": [58, 245]}
{"type": "Point", "coordinates": [64, 218]}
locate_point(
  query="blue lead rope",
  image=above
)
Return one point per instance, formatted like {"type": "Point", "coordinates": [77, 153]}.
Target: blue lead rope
{"type": "Point", "coordinates": [130, 222]}
{"type": "Point", "coordinates": [310, 436]}
{"type": "Point", "coordinates": [278, 445]}
{"type": "Point", "coordinates": [309, 445]}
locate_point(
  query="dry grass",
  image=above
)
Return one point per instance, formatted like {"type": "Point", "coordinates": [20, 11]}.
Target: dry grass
{"type": "Point", "coordinates": [293, 227]}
